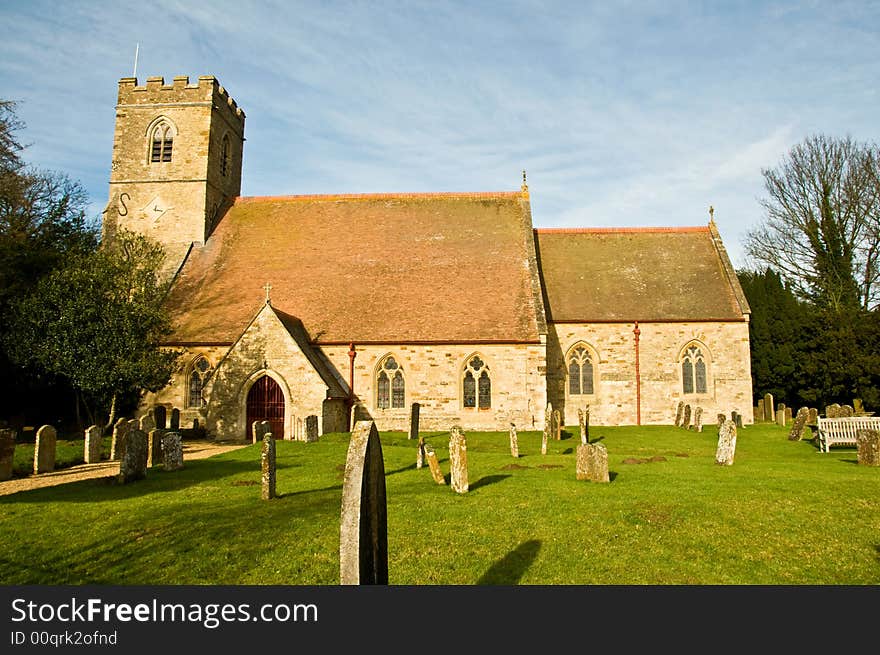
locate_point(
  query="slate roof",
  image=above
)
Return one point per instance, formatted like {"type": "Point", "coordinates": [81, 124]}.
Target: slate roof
{"type": "Point", "coordinates": [638, 274]}
{"type": "Point", "coordinates": [380, 268]}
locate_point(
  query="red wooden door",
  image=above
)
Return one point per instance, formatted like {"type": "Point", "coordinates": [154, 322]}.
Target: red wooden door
{"type": "Point", "coordinates": [265, 402]}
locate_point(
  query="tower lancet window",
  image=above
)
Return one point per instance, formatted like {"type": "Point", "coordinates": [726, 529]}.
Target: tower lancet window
{"type": "Point", "coordinates": [224, 157]}
{"type": "Point", "coordinates": [162, 142]}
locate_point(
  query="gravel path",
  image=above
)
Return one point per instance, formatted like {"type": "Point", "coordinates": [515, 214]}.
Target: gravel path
{"type": "Point", "coordinates": [191, 450]}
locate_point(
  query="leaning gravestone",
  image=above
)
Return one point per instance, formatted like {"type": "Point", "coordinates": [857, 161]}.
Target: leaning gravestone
{"type": "Point", "coordinates": [434, 464]}
{"type": "Point", "coordinates": [800, 422]}
{"type": "Point", "coordinates": [726, 450]}
{"type": "Point", "coordinates": [311, 429]}
{"type": "Point", "coordinates": [154, 447]}
{"type": "Point", "coordinates": [686, 418]}
{"type": "Point", "coordinates": [7, 452]}
{"type": "Point", "coordinates": [592, 463]}
{"type": "Point", "coordinates": [172, 451]}
{"type": "Point", "coordinates": [259, 429]}
{"type": "Point", "coordinates": [160, 415]}
{"type": "Point", "coordinates": [868, 444]}
{"type": "Point", "coordinates": [458, 464]}
{"type": "Point", "coordinates": [267, 467]}
{"type": "Point", "coordinates": [414, 421]}
{"type": "Point", "coordinates": [133, 465]}
{"type": "Point", "coordinates": [514, 441]}
{"type": "Point", "coordinates": [92, 447]}
{"type": "Point", "coordinates": [679, 412]}
{"type": "Point", "coordinates": [548, 428]}
{"type": "Point", "coordinates": [117, 444]}
{"type": "Point", "coordinates": [175, 419]}
{"type": "Point", "coordinates": [363, 533]}
{"type": "Point", "coordinates": [698, 420]}
{"type": "Point", "coordinates": [44, 450]}
{"type": "Point", "coordinates": [420, 455]}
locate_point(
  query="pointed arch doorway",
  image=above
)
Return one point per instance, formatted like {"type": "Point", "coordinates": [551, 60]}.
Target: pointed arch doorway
{"type": "Point", "coordinates": [265, 402]}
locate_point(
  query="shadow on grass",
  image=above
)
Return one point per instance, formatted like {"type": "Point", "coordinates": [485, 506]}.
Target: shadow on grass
{"type": "Point", "coordinates": [510, 569]}
{"type": "Point", "coordinates": [568, 451]}
{"type": "Point", "coordinates": [486, 480]}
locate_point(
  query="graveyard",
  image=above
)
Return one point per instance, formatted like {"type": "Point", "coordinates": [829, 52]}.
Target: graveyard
{"type": "Point", "coordinates": [780, 511]}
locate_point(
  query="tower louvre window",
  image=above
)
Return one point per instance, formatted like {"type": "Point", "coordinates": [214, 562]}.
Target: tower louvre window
{"type": "Point", "coordinates": [162, 143]}
{"type": "Point", "coordinates": [224, 157]}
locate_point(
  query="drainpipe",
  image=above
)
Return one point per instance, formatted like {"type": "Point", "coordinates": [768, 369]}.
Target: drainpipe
{"type": "Point", "coordinates": [352, 353]}
{"type": "Point", "coordinates": [636, 333]}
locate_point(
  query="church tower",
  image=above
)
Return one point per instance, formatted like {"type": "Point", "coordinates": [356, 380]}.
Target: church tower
{"type": "Point", "coordinates": [176, 167]}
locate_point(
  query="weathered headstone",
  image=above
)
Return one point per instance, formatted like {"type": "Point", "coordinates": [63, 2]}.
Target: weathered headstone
{"type": "Point", "coordinates": [800, 422]}
{"type": "Point", "coordinates": [154, 447]}
{"type": "Point", "coordinates": [172, 451]}
{"type": "Point", "coordinates": [686, 418]}
{"type": "Point", "coordinates": [679, 413]}
{"type": "Point", "coordinates": [787, 415]}
{"type": "Point", "coordinates": [458, 464]}
{"type": "Point", "coordinates": [117, 444]}
{"type": "Point", "coordinates": [846, 410]}
{"type": "Point", "coordinates": [44, 449]}
{"type": "Point", "coordinates": [548, 428]}
{"type": "Point", "coordinates": [585, 435]}
{"type": "Point", "coordinates": [557, 424]}
{"type": "Point", "coordinates": [759, 410]}
{"type": "Point", "coordinates": [738, 419]}
{"type": "Point", "coordinates": [147, 422]}
{"type": "Point", "coordinates": [721, 419]}
{"type": "Point", "coordinates": [311, 429]}
{"type": "Point", "coordinates": [592, 463]}
{"type": "Point", "coordinates": [726, 450]}
{"type": "Point", "coordinates": [7, 452]}
{"type": "Point", "coordinates": [420, 455]}
{"type": "Point", "coordinates": [434, 464]}
{"type": "Point", "coordinates": [160, 416]}
{"type": "Point", "coordinates": [868, 444]}
{"type": "Point", "coordinates": [780, 417]}
{"type": "Point", "coordinates": [267, 467]}
{"type": "Point", "coordinates": [175, 420]}
{"type": "Point", "coordinates": [769, 408]}
{"type": "Point", "coordinates": [259, 429]}
{"type": "Point", "coordinates": [698, 420]}
{"type": "Point", "coordinates": [92, 446]}
{"type": "Point", "coordinates": [133, 465]}
{"type": "Point", "coordinates": [514, 441]}
{"type": "Point", "coordinates": [300, 430]}
{"type": "Point", "coordinates": [363, 534]}
{"type": "Point", "coordinates": [414, 421]}
{"type": "Point", "coordinates": [858, 407]}
{"type": "Point", "coordinates": [814, 417]}
{"type": "Point", "coordinates": [832, 411]}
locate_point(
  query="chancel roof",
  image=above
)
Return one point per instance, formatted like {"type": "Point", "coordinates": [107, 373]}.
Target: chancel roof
{"type": "Point", "coordinates": [381, 268]}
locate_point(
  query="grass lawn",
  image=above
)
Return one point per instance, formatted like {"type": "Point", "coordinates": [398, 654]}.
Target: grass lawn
{"type": "Point", "coordinates": [782, 514]}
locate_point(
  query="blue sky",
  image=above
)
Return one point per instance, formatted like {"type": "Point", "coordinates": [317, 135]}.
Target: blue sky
{"type": "Point", "coordinates": [622, 113]}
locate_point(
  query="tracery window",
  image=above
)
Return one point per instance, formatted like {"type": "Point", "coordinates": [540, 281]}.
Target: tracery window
{"type": "Point", "coordinates": [693, 371]}
{"type": "Point", "coordinates": [580, 372]}
{"type": "Point", "coordinates": [390, 385]}
{"type": "Point", "coordinates": [200, 371]}
{"type": "Point", "coordinates": [476, 386]}
{"type": "Point", "coordinates": [162, 142]}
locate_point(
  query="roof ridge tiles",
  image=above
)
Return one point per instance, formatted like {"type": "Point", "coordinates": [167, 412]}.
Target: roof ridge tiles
{"type": "Point", "coordinates": [382, 196]}
{"type": "Point", "coordinates": [619, 230]}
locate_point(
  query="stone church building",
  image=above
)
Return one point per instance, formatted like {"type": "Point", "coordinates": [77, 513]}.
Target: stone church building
{"type": "Point", "coordinates": [361, 305]}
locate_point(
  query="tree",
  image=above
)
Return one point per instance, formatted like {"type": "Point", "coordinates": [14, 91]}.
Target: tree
{"type": "Point", "coordinates": [822, 216]}
{"type": "Point", "coordinates": [97, 323]}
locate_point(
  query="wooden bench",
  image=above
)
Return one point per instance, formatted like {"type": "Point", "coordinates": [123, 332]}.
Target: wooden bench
{"type": "Point", "coordinates": [842, 431]}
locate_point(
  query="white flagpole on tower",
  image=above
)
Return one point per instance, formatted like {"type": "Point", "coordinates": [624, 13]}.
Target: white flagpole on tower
{"type": "Point", "coordinates": [136, 48]}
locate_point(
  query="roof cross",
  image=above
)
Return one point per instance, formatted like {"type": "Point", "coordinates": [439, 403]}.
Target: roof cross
{"type": "Point", "coordinates": [268, 288]}
{"type": "Point", "coordinates": [711, 213]}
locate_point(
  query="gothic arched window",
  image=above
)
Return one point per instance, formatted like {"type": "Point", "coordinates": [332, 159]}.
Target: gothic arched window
{"type": "Point", "coordinates": [476, 385]}
{"type": "Point", "coordinates": [161, 142]}
{"type": "Point", "coordinates": [693, 371]}
{"type": "Point", "coordinates": [198, 376]}
{"type": "Point", "coordinates": [580, 372]}
{"type": "Point", "coordinates": [224, 156]}
{"type": "Point", "coordinates": [390, 385]}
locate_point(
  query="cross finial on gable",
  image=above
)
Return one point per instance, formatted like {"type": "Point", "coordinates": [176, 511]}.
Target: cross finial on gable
{"type": "Point", "coordinates": [268, 288]}
{"type": "Point", "coordinates": [525, 187]}
{"type": "Point", "coordinates": [711, 214]}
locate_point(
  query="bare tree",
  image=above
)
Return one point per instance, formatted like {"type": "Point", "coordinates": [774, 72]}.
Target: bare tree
{"type": "Point", "coordinates": [821, 229]}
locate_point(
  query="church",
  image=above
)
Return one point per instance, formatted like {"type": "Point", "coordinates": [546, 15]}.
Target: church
{"type": "Point", "coordinates": [355, 306]}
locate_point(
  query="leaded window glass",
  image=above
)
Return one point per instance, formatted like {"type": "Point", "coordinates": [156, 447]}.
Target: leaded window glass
{"type": "Point", "coordinates": [469, 388]}
{"type": "Point", "coordinates": [390, 385]}
{"type": "Point", "coordinates": [476, 389]}
{"type": "Point", "coordinates": [382, 391]}
{"type": "Point", "coordinates": [397, 391]}
{"type": "Point", "coordinates": [580, 372]}
{"type": "Point", "coordinates": [200, 371]}
{"type": "Point", "coordinates": [485, 390]}
{"type": "Point", "coordinates": [693, 371]}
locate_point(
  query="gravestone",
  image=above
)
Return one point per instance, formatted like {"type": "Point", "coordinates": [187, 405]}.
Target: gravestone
{"type": "Point", "coordinates": [585, 435]}
{"type": "Point", "coordinates": [154, 447]}
{"type": "Point", "coordinates": [44, 449]}
{"type": "Point", "coordinates": [592, 463]}
{"type": "Point", "coordinates": [133, 465]}
{"type": "Point", "coordinates": [420, 455]}
{"type": "Point", "coordinates": [175, 419]}
{"type": "Point", "coordinates": [858, 407]}
{"type": "Point", "coordinates": [311, 429]}
{"type": "Point", "coordinates": [92, 446]}
{"type": "Point", "coordinates": [780, 417]}
{"type": "Point", "coordinates": [548, 428]}
{"type": "Point", "coordinates": [582, 426]}
{"type": "Point", "coordinates": [160, 415]}
{"type": "Point", "coordinates": [679, 412]}
{"type": "Point", "coordinates": [259, 429]}
{"type": "Point", "coordinates": [726, 449]}
{"type": "Point", "coordinates": [686, 418]}
{"type": "Point", "coordinates": [300, 430]}
{"type": "Point", "coordinates": [721, 419]}
{"type": "Point", "coordinates": [458, 465]}
{"type": "Point", "coordinates": [787, 415]}
{"type": "Point", "coordinates": [514, 441]}
{"type": "Point", "coordinates": [267, 467]}
{"type": "Point", "coordinates": [800, 422]}
{"type": "Point", "coordinates": [846, 410]}
{"type": "Point", "coordinates": [769, 408]}
{"type": "Point", "coordinates": [414, 421]}
{"type": "Point", "coordinates": [147, 422]}
{"type": "Point", "coordinates": [759, 411]}
{"type": "Point", "coordinates": [738, 419]}
{"type": "Point", "coordinates": [814, 416]}
{"type": "Point", "coordinates": [117, 444]}
{"type": "Point", "coordinates": [434, 464]}
{"type": "Point", "coordinates": [868, 444]}
{"type": "Point", "coordinates": [172, 451]}
{"type": "Point", "coordinates": [832, 411]}
{"type": "Point", "coordinates": [557, 424]}
{"type": "Point", "coordinates": [7, 452]}
{"type": "Point", "coordinates": [363, 533]}
{"type": "Point", "coordinates": [698, 420]}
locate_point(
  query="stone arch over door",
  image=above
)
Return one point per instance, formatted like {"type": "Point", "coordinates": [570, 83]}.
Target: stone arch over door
{"type": "Point", "coordinates": [266, 399]}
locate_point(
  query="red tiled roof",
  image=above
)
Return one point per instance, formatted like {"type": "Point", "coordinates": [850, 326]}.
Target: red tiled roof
{"type": "Point", "coordinates": [432, 267]}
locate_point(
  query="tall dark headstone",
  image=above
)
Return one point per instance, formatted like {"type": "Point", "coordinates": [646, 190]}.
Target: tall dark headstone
{"type": "Point", "coordinates": [172, 451]}
{"type": "Point", "coordinates": [154, 447]}
{"type": "Point", "coordinates": [363, 537]}
{"type": "Point", "coordinates": [160, 416]}
{"type": "Point", "coordinates": [7, 452]}
{"type": "Point", "coordinates": [414, 421]}
{"type": "Point", "coordinates": [686, 418]}
{"type": "Point", "coordinates": [133, 465]}
{"type": "Point", "coordinates": [311, 428]}
{"type": "Point", "coordinates": [175, 419]}
{"type": "Point", "coordinates": [679, 412]}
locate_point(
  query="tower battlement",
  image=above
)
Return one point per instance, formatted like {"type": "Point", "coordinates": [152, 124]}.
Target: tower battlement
{"type": "Point", "coordinates": [156, 92]}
